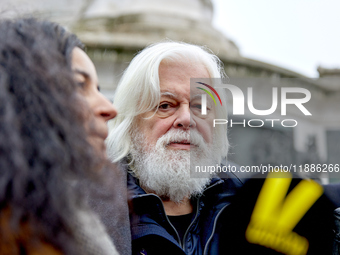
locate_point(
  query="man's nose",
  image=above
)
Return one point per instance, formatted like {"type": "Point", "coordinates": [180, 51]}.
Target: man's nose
{"type": "Point", "coordinates": [184, 118]}
{"type": "Point", "coordinates": [106, 109]}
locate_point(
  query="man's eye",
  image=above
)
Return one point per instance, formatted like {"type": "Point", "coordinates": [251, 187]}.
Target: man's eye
{"type": "Point", "coordinates": [197, 106]}
{"type": "Point", "coordinates": [164, 106]}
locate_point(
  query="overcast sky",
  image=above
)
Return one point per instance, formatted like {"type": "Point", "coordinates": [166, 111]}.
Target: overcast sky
{"type": "Point", "coordinates": [298, 35]}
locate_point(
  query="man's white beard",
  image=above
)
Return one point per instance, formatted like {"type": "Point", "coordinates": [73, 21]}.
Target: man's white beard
{"type": "Point", "coordinates": [166, 172]}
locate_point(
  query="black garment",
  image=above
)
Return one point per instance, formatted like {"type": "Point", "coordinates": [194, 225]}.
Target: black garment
{"type": "Point", "coordinates": [181, 223]}
{"type": "Point", "coordinates": [336, 243]}
{"type": "Point", "coordinates": [152, 232]}
{"type": "Point", "coordinates": [332, 191]}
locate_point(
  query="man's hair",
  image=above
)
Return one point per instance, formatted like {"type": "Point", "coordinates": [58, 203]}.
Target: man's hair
{"type": "Point", "coordinates": [43, 142]}
{"type": "Point", "coordinates": [139, 91]}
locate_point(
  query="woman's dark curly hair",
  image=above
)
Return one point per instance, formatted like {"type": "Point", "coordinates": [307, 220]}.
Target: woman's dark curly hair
{"type": "Point", "coordinates": [43, 145]}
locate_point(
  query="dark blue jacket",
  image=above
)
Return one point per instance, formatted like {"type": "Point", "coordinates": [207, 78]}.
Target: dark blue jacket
{"type": "Point", "coordinates": [152, 232]}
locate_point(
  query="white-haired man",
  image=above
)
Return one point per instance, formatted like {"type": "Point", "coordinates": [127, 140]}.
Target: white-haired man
{"type": "Point", "coordinates": [159, 131]}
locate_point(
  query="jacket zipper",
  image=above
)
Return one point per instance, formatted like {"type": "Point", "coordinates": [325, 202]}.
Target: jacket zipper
{"type": "Point", "coordinates": [198, 203]}
{"type": "Point", "coordinates": [186, 232]}
{"type": "Point", "coordinates": [213, 231]}
{"type": "Point", "coordinates": [178, 239]}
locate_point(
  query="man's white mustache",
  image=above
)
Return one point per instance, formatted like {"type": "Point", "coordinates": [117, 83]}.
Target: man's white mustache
{"type": "Point", "coordinates": [180, 136]}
